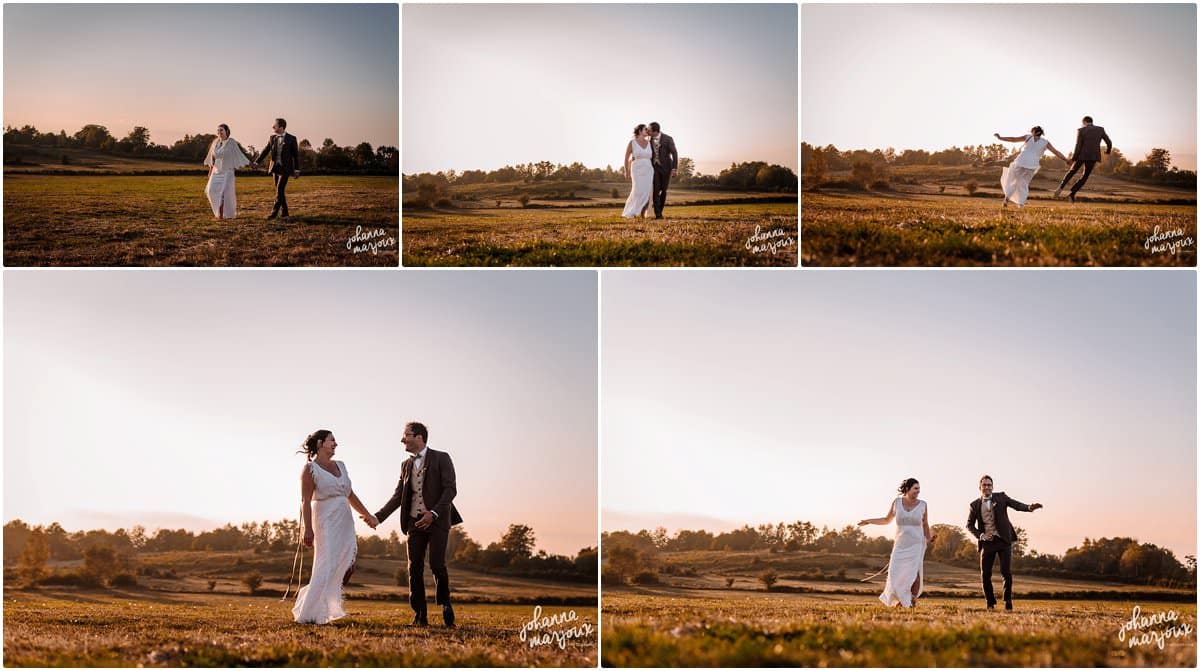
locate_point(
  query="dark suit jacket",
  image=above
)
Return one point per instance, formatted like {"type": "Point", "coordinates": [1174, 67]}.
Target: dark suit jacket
{"type": "Point", "coordinates": [438, 491]}
{"type": "Point", "coordinates": [1001, 502]}
{"type": "Point", "coordinates": [289, 159]}
{"type": "Point", "coordinates": [668, 157]}
{"type": "Point", "coordinates": [1087, 143]}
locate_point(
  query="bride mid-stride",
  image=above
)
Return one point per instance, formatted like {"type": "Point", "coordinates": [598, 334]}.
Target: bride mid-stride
{"type": "Point", "coordinates": [1015, 179]}
{"type": "Point", "coordinates": [225, 156]}
{"type": "Point", "coordinates": [328, 529]}
{"type": "Point", "coordinates": [906, 569]}
{"type": "Point", "coordinates": [638, 166]}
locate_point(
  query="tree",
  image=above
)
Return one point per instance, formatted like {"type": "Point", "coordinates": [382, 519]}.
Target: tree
{"type": "Point", "coordinates": [687, 167]}
{"type": "Point", "coordinates": [101, 562]}
{"type": "Point", "coordinates": [1021, 544]}
{"type": "Point", "coordinates": [817, 167]}
{"type": "Point", "coordinates": [252, 580]}
{"type": "Point", "coordinates": [137, 141]}
{"type": "Point", "coordinates": [1158, 160]}
{"type": "Point", "coordinates": [518, 541]}
{"type": "Point", "coordinates": [32, 563]}
{"type": "Point", "coordinates": [768, 578]}
{"type": "Point", "coordinates": [364, 155]}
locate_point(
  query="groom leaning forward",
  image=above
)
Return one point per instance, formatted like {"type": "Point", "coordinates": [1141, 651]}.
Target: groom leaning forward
{"type": "Point", "coordinates": [425, 498]}
{"type": "Point", "coordinates": [666, 165]}
{"type": "Point", "coordinates": [988, 522]}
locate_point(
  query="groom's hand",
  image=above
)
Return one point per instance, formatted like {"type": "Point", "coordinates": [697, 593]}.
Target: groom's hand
{"type": "Point", "coordinates": [425, 521]}
{"type": "Point", "coordinates": [1035, 506]}
{"type": "Point", "coordinates": [674, 172]}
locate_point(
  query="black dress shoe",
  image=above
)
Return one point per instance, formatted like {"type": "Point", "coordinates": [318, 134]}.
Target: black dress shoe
{"type": "Point", "coordinates": [448, 617]}
{"type": "Point", "coordinates": [420, 620]}
{"type": "Point", "coordinates": [1007, 605]}
{"type": "Point", "coordinates": [1072, 198]}
{"type": "Point", "coordinates": [991, 606]}
{"type": "Point", "coordinates": [272, 215]}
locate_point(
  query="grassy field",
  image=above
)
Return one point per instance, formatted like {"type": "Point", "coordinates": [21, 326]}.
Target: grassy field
{"type": "Point", "coordinates": [166, 221]}
{"type": "Point", "coordinates": [688, 235]}
{"type": "Point", "coordinates": [916, 228]}
{"type": "Point", "coordinates": [49, 627]}
{"type": "Point", "coordinates": [173, 619]}
{"type": "Point", "coordinates": [680, 627]}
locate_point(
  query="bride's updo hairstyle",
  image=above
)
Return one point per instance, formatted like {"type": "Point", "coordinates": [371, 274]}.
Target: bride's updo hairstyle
{"type": "Point", "coordinates": [314, 440]}
{"type": "Point", "coordinates": [226, 127]}
{"type": "Point", "coordinates": [907, 485]}
{"type": "Point", "coordinates": [637, 130]}
{"type": "Point", "coordinates": [1037, 131]}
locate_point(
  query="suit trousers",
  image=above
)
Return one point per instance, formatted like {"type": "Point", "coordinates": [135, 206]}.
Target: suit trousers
{"type": "Point", "coordinates": [988, 551]}
{"type": "Point", "coordinates": [281, 180]}
{"type": "Point", "coordinates": [1087, 171]}
{"type": "Point", "coordinates": [662, 178]}
{"type": "Point", "coordinates": [434, 541]}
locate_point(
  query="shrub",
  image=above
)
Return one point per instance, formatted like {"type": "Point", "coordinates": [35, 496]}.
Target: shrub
{"type": "Point", "coordinates": [252, 581]}
{"type": "Point", "coordinates": [402, 575]}
{"type": "Point", "coordinates": [972, 186]}
{"type": "Point", "coordinates": [571, 195]}
{"type": "Point", "coordinates": [611, 578]}
{"type": "Point", "coordinates": [71, 578]}
{"type": "Point", "coordinates": [123, 580]}
{"type": "Point", "coordinates": [445, 202]}
{"type": "Point", "coordinates": [768, 578]}
{"type": "Point", "coordinates": [881, 185]}
{"type": "Point", "coordinates": [101, 562]}
{"type": "Point", "coordinates": [646, 577]}
{"type": "Point", "coordinates": [212, 585]}
{"type": "Point", "coordinates": [729, 582]}
{"type": "Point", "coordinates": [497, 203]}
{"type": "Point", "coordinates": [862, 172]}
{"type": "Point", "coordinates": [66, 160]}
{"type": "Point", "coordinates": [942, 189]}
{"type": "Point", "coordinates": [615, 193]}
{"type": "Point", "coordinates": [523, 200]}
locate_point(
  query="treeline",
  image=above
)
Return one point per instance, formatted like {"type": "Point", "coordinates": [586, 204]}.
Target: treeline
{"type": "Point", "coordinates": [629, 555]}
{"type": "Point", "coordinates": [29, 549]}
{"type": "Point", "coordinates": [750, 175]}
{"type": "Point", "coordinates": [329, 157]}
{"type": "Point", "coordinates": [816, 163]}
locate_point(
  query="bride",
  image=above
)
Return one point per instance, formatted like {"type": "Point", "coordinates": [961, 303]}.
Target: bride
{"type": "Point", "coordinates": [1014, 179]}
{"type": "Point", "coordinates": [224, 156]}
{"type": "Point", "coordinates": [640, 170]}
{"type": "Point", "coordinates": [906, 569]}
{"type": "Point", "coordinates": [328, 528]}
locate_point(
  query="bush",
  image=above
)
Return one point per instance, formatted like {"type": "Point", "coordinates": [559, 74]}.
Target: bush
{"type": "Point", "coordinates": [646, 577]}
{"type": "Point", "coordinates": [497, 203]}
{"type": "Point", "coordinates": [212, 585]}
{"type": "Point", "coordinates": [123, 580]}
{"type": "Point", "coordinates": [616, 194]}
{"type": "Point", "coordinates": [66, 160]}
{"type": "Point", "coordinates": [768, 578]}
{"type": "Point", "coordinates": [444, 202]}
{"type": "Point", "coordinates": [942, 189]}
{"type": "Point", "coordinates": [972, 186]}
{"type": "Point", "coordinates": [729, 582]}
{"type": "Point", "coordinates": [611, 578]}
{"type": "Point", "coordinates": [881, 185]}
{"type": "Point", "coordinates": [523, 200]}
{"type": "Point", "coordinates": [71, 579]}
{"type": "Point", "coordinates": [402, 575]}
{"type": "Point", "coordinates": [252, 581]}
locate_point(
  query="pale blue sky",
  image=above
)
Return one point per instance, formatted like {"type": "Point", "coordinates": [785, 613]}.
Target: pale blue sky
{"type": "Point", "coordinates": [489, 85]}
{"type": "Point", "coordinates": [331, 70]}
{"type": "Point", "coordinates": [179, 398]}
{"type": "Point", "coordinates": [933, 76]}
{"type": "Point", "coordinates": [812, 395]}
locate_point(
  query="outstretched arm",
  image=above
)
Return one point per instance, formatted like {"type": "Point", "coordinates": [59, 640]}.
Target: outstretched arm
{"type": "Point", "coordinates": [886, 519]}
{"type": "Point", "coordinates": [1017, 505]}
{"type": "Point", "coordinates": [266, 150]}
{"type": "Point", "coordinates": [362, 510]}
{"type": "Point", "coordinates": [1057, 153]}
{"type": "Point", "coordinates": [1010, 139]}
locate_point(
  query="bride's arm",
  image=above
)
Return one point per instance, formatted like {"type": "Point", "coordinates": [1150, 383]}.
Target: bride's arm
{"type": "Point", "coordinates": [925, 523]}
{"type": "Point", "coordinates": [628, 153]}
{"type": "Point", "coordinates": [307, 487]}
{"type": "Point", "coordinates": [880, 520]}
{"type": "Point", "coordinates": [360, 508]}
{"type": "Point", "coordinates": [1057, 153]}
{"type": "Point", "coordinates": [1010, 139]}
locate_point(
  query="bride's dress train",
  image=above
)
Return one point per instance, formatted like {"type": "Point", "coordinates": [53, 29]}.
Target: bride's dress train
{"type": "Point", "coordinates": [643, 181]}
{"type": "Point", "coordinates": [335, 546]}
{"type": "Point", "coordinates": [908, 557]}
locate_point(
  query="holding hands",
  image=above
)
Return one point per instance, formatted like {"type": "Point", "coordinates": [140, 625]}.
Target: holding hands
{"type": "Point", "coordinates": [371, 520]}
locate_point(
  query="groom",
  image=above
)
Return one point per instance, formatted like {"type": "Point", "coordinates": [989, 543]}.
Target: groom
{"type": "Point", "coordinates": [1086, 154]}
{"type": "Point", "coordinates": [988, 523]}
{"type": "Point", "coordinates": [285, 163]}
{"type": "Point", "coordinates": [666, 165]}
{"type": "Point", "coordinates": [425, 498]}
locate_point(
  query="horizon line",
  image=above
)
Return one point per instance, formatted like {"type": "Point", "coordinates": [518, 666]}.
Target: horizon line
{"type": "Point", "coordinates": [42, 130]}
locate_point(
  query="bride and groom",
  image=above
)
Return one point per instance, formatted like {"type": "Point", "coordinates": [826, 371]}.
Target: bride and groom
{"type": "Point", "coordinates": [424, 496]}
{"type": "Point", "coordinates": [225, 156]}
{"type": "Point", "coordinates": [987, 521]}
{"type": "Point", "coordinates": [651, 160]}
{"type": "Point", "coordinates": [1015, 179]}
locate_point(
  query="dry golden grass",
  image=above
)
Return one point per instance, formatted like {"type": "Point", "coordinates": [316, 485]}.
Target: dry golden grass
{"type": "Point", "coordinates": [166, 221]}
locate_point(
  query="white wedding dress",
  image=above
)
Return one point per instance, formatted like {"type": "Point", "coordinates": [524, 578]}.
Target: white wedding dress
{"type": "Point", "coordinates": [908, 556]}
{"type": "Point", "coordinates": [226, 157]}
{"type": "Point", "coordinates": [643, 180]}
{"type": "Point", "coordinates": [335, 546]}
{"type": "Point", "coordinates": [1015, 179]}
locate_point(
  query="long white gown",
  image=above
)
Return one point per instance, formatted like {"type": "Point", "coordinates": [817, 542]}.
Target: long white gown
{"type": "Point", "coordinates": [1015, 179]}
{"type": "Point", "coordinates": [643, 180]}
{"type": "Point", "coordinates": [227, 156]}
{"type": "Point", "coordinates": [335, 546]}
{"type": "Point", "coordinates": [908, 556]}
